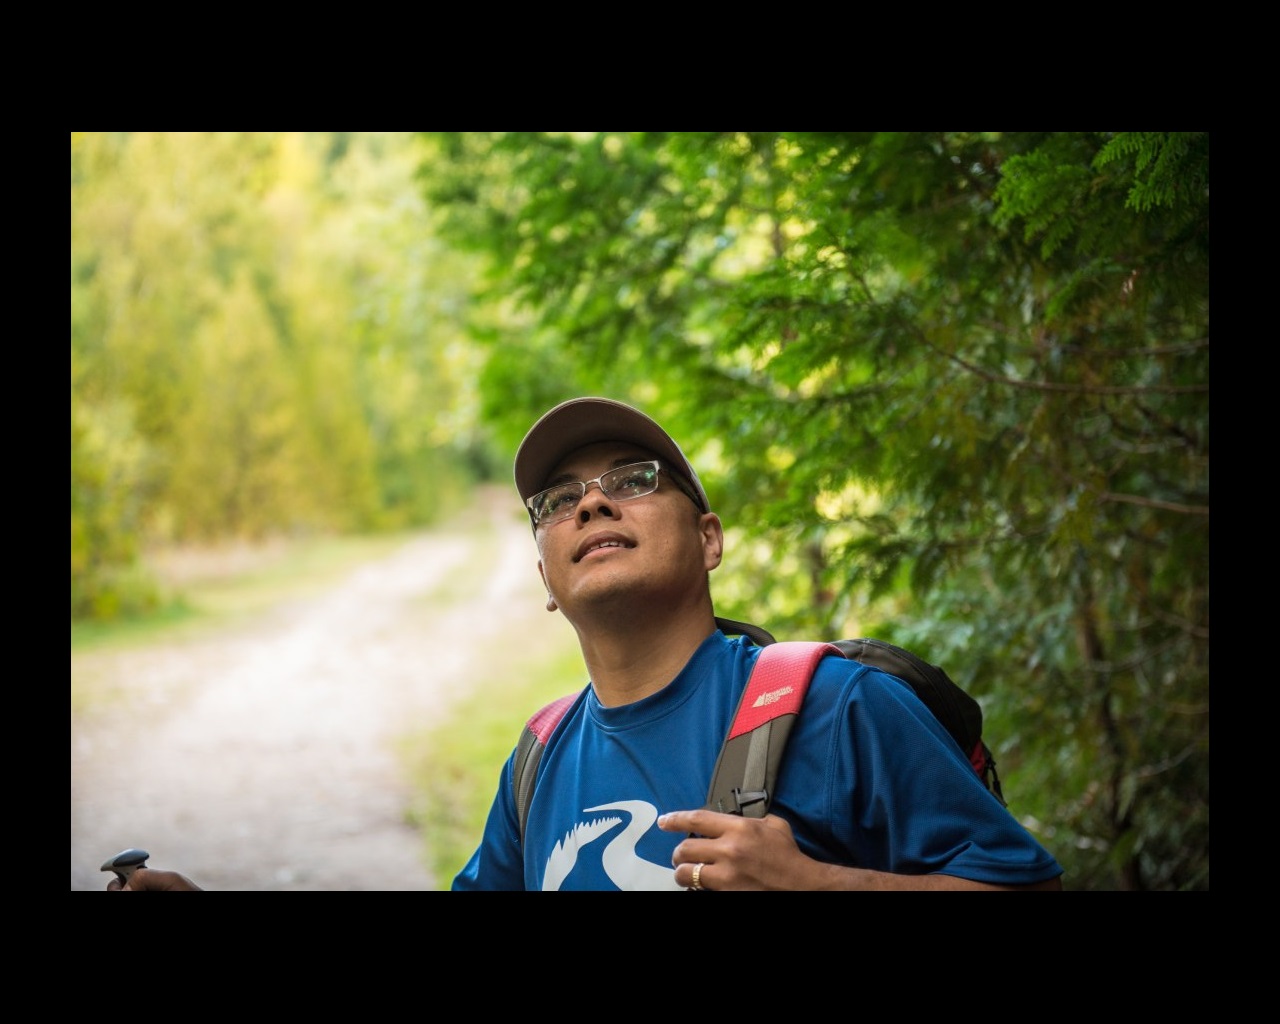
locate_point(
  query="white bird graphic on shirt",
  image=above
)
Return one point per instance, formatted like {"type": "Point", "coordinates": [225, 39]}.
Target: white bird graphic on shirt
{"type": "Point", "coordinates": [625, 868]}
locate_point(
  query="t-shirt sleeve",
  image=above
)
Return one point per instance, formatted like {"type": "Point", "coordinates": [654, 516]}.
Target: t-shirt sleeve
{"type": "Point", "coordinates": [916, 803]}
{"type": "Point", "coordinates": [498, 862]}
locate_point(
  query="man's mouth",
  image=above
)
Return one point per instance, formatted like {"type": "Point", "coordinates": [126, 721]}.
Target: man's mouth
{"type": "Point", "coordinates": [600, 544]}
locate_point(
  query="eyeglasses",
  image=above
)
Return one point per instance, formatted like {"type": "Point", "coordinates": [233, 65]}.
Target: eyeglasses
{"type": "Point", "coordinates": [621, 484]}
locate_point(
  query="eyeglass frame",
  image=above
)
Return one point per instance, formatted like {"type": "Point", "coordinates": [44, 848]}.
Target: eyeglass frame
{"type": "Point", "coordinates": [659, 469]}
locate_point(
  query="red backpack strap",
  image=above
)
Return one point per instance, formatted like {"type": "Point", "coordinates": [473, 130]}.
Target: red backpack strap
{"type": "Point", "coordinates": [533, 737]}
{"type": "Point", "coordinates": [544, 721]}
{"type": "Point", "coordinates": [744, 774]}
{"type": "Point", "coordinates": [778, 682]}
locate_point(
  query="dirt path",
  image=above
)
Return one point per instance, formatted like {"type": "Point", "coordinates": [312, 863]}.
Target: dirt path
{"type": "Point", "coordinates": [264, 760]}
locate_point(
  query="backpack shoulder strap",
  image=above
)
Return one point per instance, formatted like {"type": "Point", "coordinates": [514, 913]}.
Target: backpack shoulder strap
{"type": "Point", "coordinates": [758, 635]}
{"type": "Point", "coordinates": [533, 739]}
{"type": "Point", "coordinates": [743, 779]}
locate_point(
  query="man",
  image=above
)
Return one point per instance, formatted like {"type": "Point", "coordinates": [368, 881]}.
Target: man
{"type": "Point", "coordinates": [872, 793]}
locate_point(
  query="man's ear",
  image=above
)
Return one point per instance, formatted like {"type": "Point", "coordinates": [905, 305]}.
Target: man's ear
{"type": "Point", "coordinates": [712, 539]}
{"type": "Point", "coordinates": [551, 601]}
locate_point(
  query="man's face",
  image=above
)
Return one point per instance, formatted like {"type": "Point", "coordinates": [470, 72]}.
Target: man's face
{"type": "Point", "coordinates": [655, 547]}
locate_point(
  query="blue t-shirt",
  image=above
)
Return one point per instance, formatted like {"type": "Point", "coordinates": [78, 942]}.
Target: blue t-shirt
{"type": "Point", "coordinates": [869, 779]}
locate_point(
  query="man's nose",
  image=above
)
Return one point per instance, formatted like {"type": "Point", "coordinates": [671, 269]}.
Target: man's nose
{"type": "Point", "coordinates": [599, 503]}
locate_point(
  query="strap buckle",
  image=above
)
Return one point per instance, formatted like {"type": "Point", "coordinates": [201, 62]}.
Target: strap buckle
{"type": "Point", "coordinates": [745, 798]}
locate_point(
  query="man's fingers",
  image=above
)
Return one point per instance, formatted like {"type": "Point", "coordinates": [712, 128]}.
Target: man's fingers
{"type": "Point", "coordinates": [705, 823]}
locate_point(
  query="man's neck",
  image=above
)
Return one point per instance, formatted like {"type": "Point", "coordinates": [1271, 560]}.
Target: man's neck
{"type": "Point", "coordinates": [636, 659]}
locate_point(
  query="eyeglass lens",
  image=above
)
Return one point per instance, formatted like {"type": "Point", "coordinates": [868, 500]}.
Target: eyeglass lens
{"type": "Point", "coordinates": [621, 484]}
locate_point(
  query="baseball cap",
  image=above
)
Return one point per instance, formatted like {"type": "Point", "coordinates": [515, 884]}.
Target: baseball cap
{"type": "Point", "coordinates": [582, 421]}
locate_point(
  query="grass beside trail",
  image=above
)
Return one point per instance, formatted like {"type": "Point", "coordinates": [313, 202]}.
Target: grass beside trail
{"type": "Point", "coordinates": [456, 766]}
{"type": "Point", "coordinates": [224, 592]}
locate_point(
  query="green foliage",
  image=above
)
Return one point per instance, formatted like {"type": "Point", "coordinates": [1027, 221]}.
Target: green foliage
{"type": "Point", "coordinates": [1168, 168]}
{"type": "Point", "coordinates": [949, 388]}
{"type": "Point", "coordinates": [108, 460]}
{"type": "Point", "coordinates": [265, 340]}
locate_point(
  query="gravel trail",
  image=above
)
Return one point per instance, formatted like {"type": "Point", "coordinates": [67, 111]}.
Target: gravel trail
{"type": "Point", "coordinates": [264, 759]}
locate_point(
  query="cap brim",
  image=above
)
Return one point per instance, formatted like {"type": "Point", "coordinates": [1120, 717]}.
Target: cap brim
{"type": "Point", "coordinates": [583, 421]}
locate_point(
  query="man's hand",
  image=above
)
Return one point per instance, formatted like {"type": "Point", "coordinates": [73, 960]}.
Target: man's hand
{"type": "Point", "coordinates": [727, 852]}
{"type": "Point", "coordinates": [730, 852]}
{"type": "Point", "coordinates": [153, 880]}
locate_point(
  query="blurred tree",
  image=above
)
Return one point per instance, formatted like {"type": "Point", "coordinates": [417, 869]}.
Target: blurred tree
{"type": "Point", "coordinates": [264, 339]}
{"type": "Point", "coordinates": [951, 388]}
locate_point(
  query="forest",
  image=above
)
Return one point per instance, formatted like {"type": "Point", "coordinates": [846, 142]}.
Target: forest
{"type": "Point", "coordinates": [950, 389]}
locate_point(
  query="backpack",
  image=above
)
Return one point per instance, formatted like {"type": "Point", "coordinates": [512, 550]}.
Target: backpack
{"type": "Point", "coordinates": [745, 770]}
